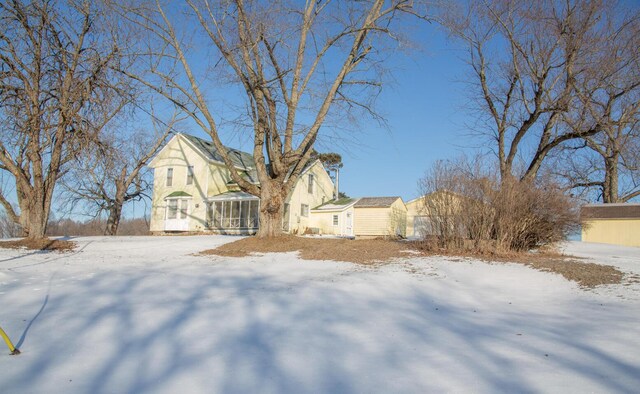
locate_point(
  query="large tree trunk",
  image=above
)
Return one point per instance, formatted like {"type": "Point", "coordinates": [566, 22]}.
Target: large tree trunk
{"type": "Point", "coordinates": [34, 215]}
{"type": "Point", "coordinates": [115, 213]}
{"type": "Point", "coordinates": [115, 208]}
{"type": "Point", "coordinates": [271, 209]}
{"type": "Point", "coordinates": [610, 192]}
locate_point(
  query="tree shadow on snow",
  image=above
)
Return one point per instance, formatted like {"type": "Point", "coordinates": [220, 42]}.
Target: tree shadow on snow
{"type": "Point", "coordinates": [242, 330]}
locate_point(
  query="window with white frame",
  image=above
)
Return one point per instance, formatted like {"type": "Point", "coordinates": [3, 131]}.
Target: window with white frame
{"type": "Point", "coordinates": [172, 209]}
{"type": "Point", "coordinates": [335, 220]}
{"type": "Point", "coordinates": [304, 210]}
{"type": "Point", "coordinates": [169, 176]}
{"type": "Point", "coordinates": [177, 208]}
{"type": "Point", "coordinates": [310, 185]}
{"type": "Point", "coordinates": [190, 175]}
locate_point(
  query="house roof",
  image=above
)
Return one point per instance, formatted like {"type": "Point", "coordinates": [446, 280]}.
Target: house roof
{"type": "Point", "coordinates": [242, 160]}
{"type": "Point", "coordinates": [376, 202]}
{"type": "Point", "coordinates": [336, 205]}
{"type": "Point", "coordinates": [610, 211]}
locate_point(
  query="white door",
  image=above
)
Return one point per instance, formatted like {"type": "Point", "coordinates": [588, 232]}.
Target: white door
{"type": "Point", "coordinates": [349, 224]}
{"type": "Point", "coordinates": [177, 215]}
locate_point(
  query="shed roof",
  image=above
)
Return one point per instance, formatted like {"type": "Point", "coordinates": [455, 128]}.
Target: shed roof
{"type": "Point", "coordinates": [610, 211]}
{"type": "Point", "coordinates": [376, 202]}
{"type": "Point", "coordinates": [336, 205]}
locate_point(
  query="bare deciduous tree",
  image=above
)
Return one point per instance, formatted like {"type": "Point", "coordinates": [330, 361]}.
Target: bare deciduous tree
{"type": "Point", "coordinates": [55, 93]}
{"type": "Point", "coordinates": [294, 63]}
{"type": "Point", "coordinates": [609, 96]}
{"type": "Point", "coordinates": [527, 59]}
{"type": "Point", "coordinates": [111, 171]}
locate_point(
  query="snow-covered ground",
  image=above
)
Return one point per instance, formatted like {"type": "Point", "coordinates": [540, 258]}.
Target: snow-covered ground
{"type": "Point", "coordinates": [132, 315]}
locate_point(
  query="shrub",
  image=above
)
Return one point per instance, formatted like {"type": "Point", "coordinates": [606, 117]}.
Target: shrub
{"type": "Point", "coordinates": [469, 207]}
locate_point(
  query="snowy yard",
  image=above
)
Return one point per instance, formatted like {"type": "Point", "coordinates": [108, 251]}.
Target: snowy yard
{"type": "Point", "coordinates": [130, 315]}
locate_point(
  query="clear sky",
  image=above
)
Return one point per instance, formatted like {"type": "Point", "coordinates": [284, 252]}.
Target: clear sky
{"type": "Point", "coordinates": [423, 106]}
{"type": "Point", "coordinates": [425, 115]}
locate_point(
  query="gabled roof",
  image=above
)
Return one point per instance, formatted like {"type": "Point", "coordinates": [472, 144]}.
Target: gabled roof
{"type": "Point", "coordinates": [376, 202]}
{"type": "Point", "coordinates": [336, 205]}
{"type": "Point", "coordinates": [240, 159]}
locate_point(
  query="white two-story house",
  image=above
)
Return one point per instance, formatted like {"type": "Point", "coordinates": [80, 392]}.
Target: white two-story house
{"type": "Point", "coordinates": [193, 191]}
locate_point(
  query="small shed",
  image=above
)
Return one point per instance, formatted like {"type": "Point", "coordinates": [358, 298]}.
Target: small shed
{"type": "Point", "coordinates": [335, 217]}
{"type": "Point", "coordinates": [617, 224]}
{"type": "Point", "coordinates": [380, 217]}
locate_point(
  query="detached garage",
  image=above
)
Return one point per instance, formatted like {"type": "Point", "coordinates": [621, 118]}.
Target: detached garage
{"type": "Point", "coordinates": [617, 224]}
{"type": "Point", "coordinates": [380, 217]}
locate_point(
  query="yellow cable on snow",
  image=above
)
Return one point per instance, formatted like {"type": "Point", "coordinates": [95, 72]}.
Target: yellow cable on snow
{"type": "Point", "coordinates": [13, 349]}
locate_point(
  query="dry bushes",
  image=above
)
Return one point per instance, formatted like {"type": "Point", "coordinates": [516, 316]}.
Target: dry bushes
{"type": "Point", "coordinates": [469, 208]}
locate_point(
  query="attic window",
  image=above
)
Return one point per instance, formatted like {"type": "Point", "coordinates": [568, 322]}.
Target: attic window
{"type": "Point", "coordinates": [310, 186]}
{"type": "Point", "coordinates": [169, 176]}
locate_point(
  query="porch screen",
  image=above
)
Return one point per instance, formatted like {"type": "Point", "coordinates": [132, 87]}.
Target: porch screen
{"type": "Point", "coordinates": [233, 214]}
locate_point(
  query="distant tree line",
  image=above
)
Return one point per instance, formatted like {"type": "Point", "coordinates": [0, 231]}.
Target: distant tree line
{"type": "Point", "coordinates": [96, 226]}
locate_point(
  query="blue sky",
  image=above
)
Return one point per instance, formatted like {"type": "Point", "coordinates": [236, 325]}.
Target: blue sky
{"type": "Point", "coordinates": [425, 115]}
{"type": "Point", "coordinates": [423, 105]}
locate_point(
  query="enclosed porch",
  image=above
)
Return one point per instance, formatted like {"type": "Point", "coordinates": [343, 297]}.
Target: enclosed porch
{"type": "Point", "coordinates": [233, 213]}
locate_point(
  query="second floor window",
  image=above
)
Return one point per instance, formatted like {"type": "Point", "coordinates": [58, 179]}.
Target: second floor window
{"type": "Point", "coordinates": [190, 175]}
{"type": "Point", "coordinates": [169, 176]}
{"type": "Point", "coordinates": [310, 186]}
{"type": "Point", "coordinates": [304, 210]}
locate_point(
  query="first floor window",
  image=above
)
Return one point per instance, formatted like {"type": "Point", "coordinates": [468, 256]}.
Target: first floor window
{"type": "Point", "coordinates": [335, 220]}
{"type": "Point", "coordinates": [177, 208]}
{"type": "Point", "coordinates": [304, 210]}
{"type": "Point", "coordinates": [184, 208]}
{"type": "Point", "coordinates": [172, 209]}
